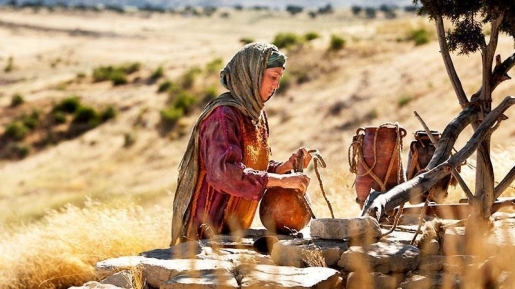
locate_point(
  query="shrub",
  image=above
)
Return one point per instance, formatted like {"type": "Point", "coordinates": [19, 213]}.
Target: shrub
{"type": "Point", "coordinates": [184, 101]}
{"type": "Point", "coordinates": [285, 40]}
{"type": "Point", "coordinates": [58, 117]}
{"type": "Point", "coordinates": [419, 36]}
{"type": "Point", "coordinates": [210, 93]}
{"type": "Point", "coordinates": [68, 105]}
{"type": "Point", "coordinates": [311, 36]}
{"type": "Point", "coordinates": [158, 73]}
{"type": "Point", "coordinates": [118, 75]}
{"type": "Point", "coordinates": [337, 43]}
{"type": "Point", "coordinates": [17, 99]}
{"type": "Point", "coordinates": [108, 113]}
{"type": "Point", "coordinates": [188, 79]}
{"type": "Point", "coordinates": [404, 99]}
{"type": "Point", "coordinates": [246, 40]}
{"type": "Point", "coordinates": [31, 121]}
{"type": "Point", "coordinates": [165, 86]}
{"type": "Point", "coordinates": [86, 115]}
{"type": "Point", "coordinates": [19, 151]}
{"type": "Point", "coordinates": [170, 115]}
{"type": "Point", "coordinates": [215, 65]}
{"type": "Point", "coordinates": [10, 65]}
{"type": "Point", "coordinates": [16, 130]}
{"type": "Point", "coordinates": [285, 83]}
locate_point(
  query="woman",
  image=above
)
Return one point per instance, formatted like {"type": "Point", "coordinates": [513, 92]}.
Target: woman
{"type": "Point", "coordinates": [226, 167]}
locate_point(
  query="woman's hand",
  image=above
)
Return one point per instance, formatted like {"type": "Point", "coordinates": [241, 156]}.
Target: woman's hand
{"type": "Point", "coordinates": [296, 181]}
{"type": "Point", "coordinates": [291, 163]}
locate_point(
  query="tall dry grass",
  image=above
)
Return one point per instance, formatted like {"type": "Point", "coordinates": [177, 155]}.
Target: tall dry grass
{"type": "Point", "coordinates": [61, 250]}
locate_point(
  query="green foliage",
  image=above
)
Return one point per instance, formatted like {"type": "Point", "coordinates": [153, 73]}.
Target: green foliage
{"type": "Point", "coordinates": [10, 65]}
{"type": "Point", "coordinates": [58, 117]}
{"type": "Point", "coordinates": [16, 100]}
{"type": "Point", "coordinates": [336, 43]}
{"type": "Point", "coordinates": [16, 130]}
{"type": "Point", "coordinates": [285, 83]}
{"type": "Point", "coordinates": [419, 36]}
{"type": "Point", "coordinates": [294, 9]}
{"type": "Point", "coordinates": [128, 139]}
{"type": "Point", "coordinates": [370, 12]}
{"type": "Point", "coordinates": [247, 40]}
{"type": "Point", "coordinates": [118, 75]}
{"type": "Point", "coordinates": [19, 151]}
{"type": "Point", "coordinates": [165, 86]}
{"type": "Point", "coordinates": [356, 10]}
{"type": "Point", "coordinates": [311, 36]}
{"type": "Point", "coordinates": [108, 113]}
{"type": "Point", "coordinates": [31, 121]}
{"type": "Point", "coordinates": [188, 79]}
{"type": "Point", "coordinates": [286, 40]}
{"type": "Point", "coordinates": [210, 92]}
{"type": "Point", "coordinates": [86, 115]}
{"type": "Point", "coordinates": [67, 105]}
{"type": "Point", "coordinates": [170, 115]}
{"type": "Point", "coordinates": [404, 99]}
{"type": "Point", "coordinates": [184, 101]}
{"type": "Point", "coordinates": [468, 18]}
{"type": "Point", "coordinates": [215, 65]}
{"type": "Point", "coordinates": [158, 73]}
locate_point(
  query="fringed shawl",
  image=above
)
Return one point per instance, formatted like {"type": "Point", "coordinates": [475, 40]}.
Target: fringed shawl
{"type": "Point", "coordinates": [242, 76]}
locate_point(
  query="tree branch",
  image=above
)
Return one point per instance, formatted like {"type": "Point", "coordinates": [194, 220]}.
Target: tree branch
{"type": "Point", "coordinates": [505, 183]}
{"type": "Point", "coordinates": [449, 66]}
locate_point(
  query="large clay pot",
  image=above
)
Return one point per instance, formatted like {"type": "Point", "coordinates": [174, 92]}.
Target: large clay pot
{"type": "Point", "coordinates": [284, 211]}
{"type": "Point", "coordinates": [379, 166]}
{"type": "Point", "coordinates": [421, 151]}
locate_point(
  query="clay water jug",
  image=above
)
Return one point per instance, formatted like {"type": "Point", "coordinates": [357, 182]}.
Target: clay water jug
{"type": "Point", "coordinates": [377, 159]}
{"type": "Point", "coordinates": [285, 211]}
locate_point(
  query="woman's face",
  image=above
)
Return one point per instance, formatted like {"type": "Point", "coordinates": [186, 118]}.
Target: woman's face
{"type": "Point", "coordinates": [270, 82]}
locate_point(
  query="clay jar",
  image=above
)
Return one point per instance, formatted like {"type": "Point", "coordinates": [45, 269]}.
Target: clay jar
{"type": "Point", "coordinates": [284, 211]}
{"type": "Point", "coordinates": [381, 166]}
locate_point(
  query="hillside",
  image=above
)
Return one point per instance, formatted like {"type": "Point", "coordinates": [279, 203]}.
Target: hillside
{"type": "Point", "coordinates": [360, 85]}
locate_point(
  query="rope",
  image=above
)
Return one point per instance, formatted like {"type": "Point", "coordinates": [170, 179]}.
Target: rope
{"type": "Point", "coordinates": [357, 157]}
{"type": "Point", "coordinates": [318, 160]}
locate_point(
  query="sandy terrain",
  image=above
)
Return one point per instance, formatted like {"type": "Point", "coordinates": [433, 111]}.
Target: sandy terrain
{"type": "Point", "coordinates": [369, 76]}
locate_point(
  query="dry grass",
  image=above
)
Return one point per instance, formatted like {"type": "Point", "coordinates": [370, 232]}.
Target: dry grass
{"type": "Point", "coordinates": [63, 248]}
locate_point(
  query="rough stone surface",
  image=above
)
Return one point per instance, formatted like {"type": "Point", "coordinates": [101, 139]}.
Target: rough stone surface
{"type": "Point", "coordinates": [267, 276]}
{"type": "Point", "coordinates": [381, 257]}
{"type": "Point", "coordinates": [301, 252]}
{"type": "Point", "coordinates": [340, 229]}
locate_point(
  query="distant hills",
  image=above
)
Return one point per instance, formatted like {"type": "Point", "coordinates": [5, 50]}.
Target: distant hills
{"type": "Point", "coordinates": [275, 4]}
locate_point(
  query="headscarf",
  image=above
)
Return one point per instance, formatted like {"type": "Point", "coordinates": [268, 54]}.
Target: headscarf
{"type": "Point", "coordinates": [242, 76]}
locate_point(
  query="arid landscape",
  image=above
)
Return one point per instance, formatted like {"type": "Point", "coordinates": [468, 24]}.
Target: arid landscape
{"type": "Point", "coordinates": [379, 76]}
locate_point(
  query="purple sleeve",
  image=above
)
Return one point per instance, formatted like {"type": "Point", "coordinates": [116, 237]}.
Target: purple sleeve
{"type": "Point", "coordinates": [222, 154]}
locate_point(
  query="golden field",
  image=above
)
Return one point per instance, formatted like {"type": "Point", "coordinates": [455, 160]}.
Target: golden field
{"type": "Point", "coordinates": [89, 198]}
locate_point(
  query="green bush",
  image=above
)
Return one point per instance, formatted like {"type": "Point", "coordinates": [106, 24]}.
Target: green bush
{"type": "Point", "coordinates": [404, 99]}
{"type": "Point", "coordinates": [118, 75]}
{"type": "Point", "coordinates": [16, 130]}
{"type": "Point", "coordinates": [188, 79]}
{"type": "Point", "coordinates": [419, 36]}
{"type": "Point", "coordinates": [210, 93]}
{"type": "Point", "coordinates": [31, 121]}
{"type": "Point", "coordinates": [165, 86]}
{"type": "Point", "coordinates": [285, 40]}
{"type": "Point", "coordinates": [58, 117]}
{"type": "Point", "coordinates": [86, 115]}
{"type": "Point", "coordinates": [311, 36]}
{"type": "Point", "coordinates": [184, 101]}
{"type": "Point", "coordinates": [337, 43]}
{"type": "Point", "coordinates": [214, 66]}
{"type": "Point", "coordinates": [67, 105]}
{"type": "Point", "coordinates": [17, 99]}
{"type": "Point", "coordinates": [108, 113]}
{"type": "Point", "coordinates": [158, 73]}
{"type": "Point", "coordinates": [246, 40]}
{"type": "Point", "coordinates": [170, 115]}
{"type": "Point", "coordinates": [19, 151]}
